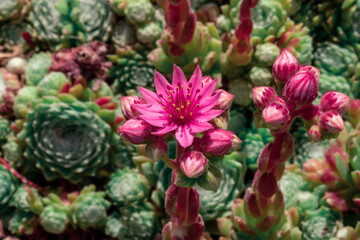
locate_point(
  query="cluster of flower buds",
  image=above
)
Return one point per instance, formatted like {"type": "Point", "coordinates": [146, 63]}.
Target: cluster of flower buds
{"type": "Point", "coordinates": [263, 207]}
{"type": "Point", "coordinates": [182, 109]}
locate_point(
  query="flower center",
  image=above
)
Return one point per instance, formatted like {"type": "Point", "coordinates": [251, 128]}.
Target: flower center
{"type": "Point", "coordinates": [179, 103]}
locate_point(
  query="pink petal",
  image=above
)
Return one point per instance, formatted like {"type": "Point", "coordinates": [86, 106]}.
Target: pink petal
{"type": "Point", "coordinates": [149, 96]}
{"type": "Point", "coordinates": [208, 90]}
{"type": "Point", "coordinates": [156, 120]}
{"type": "Point", "coordinates": [198, 127]}
{"type": "Point", "coordinates": [167, 129]}
{"type": "Point", "coordinates": [149, 109]}
{"type": "Point", "coordinates": [161, 84]}
{"type": "Point", "coordinates": [178, 77]}
{"type": "Point", "coordinates": [184, 136]}
{"type": "Point", "coordinates": [207, 116]}
{"type": "Point", "coordinates": [195, 82]}
{"type": "Point", "coordinates": [208, 103]}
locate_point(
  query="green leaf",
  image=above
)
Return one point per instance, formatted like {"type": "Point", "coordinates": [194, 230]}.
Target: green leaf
{"type": "Point", "coordinates": [183, 181]}
{"type": "Point", "coordinates": [210, 180]}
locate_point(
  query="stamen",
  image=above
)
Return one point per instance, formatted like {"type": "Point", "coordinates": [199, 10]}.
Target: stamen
{"type": "Point", "coordinates": [182, 106]}
{"type": "Point", "coordinates": [173, 105]}
{"type": "Point", "coordinates": [170, 91]}
{"type": "Point", "coordinates": [164, 108]}
{"type": "Point", "coordinates": [190, 113]}
{"type": "Point", "coordinates": [177, 88]}
{"type": "Point", "coordinates": [197, 105]}
{"type": "Point", "coordinates": [170, 115]}
{"type": "Point", "coordinates": [181, 117]}
{"type": "Point", "coordinates": [169, 97]}
{"type": "Point", "coordinates": [177, 109]}
{"type": "Point", "coordinates": [188, 102]}
{"type": "Point", "coordinates": [182, 86]}
{"type": "Point", "coordinates": [189, 94]}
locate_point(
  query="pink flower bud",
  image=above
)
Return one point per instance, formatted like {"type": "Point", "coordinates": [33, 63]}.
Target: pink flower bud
{"type": "Point", "coordinates": [157, 148]}
{"type": "Point", "coordinates": [136, 131]}
{"type": "Point", "coordinates": [263, 96]}
{"type": "Point", "coordinates": [334, 101]}
{"type": "Point", "coordinates": [235, 142]}
{"type": "Point", "coordinates": [314, 133]}
{"type": "Point", "coordinates": [182, 203]}
{"type": "Point", "coordinates": [354, 111]}
{"type": "Point", "coordinates": [206, 80]}
{"type": "Point", "coordinates": [216, 142]}
{"type": "Point", "coordinates": [193, 164]}
{"type": "Point", "coordinates": [224, 101]}
{"type": "Point", "coordinates": [331, 122]}
{"type": "Point", "coordinates": [335, 201]}
{"type": "Point", "coordinates": [285, 66]}
{"type": "Point", "coordinates": [275, 116]}
{"type": "Point", "coordinates": [313, 169]}
{"type": "Point", "coordinates": [127, 106]}
{"type": "Point", "coordinates": [302, 88]}
{"type": "Point", "coordinates": [330, 179]}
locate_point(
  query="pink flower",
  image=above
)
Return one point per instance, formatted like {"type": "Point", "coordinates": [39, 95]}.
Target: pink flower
{"type": "Point", "coordinates": [182, 107]}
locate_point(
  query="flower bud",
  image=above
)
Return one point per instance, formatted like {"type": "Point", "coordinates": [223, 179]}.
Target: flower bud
{"type": "Point", "coordinates": [336, 201]}
{"type": "Point", "coordinates": [251, 203]}
{"type": "Point", "coordinates": [302, 88]}
{"type": "Point", "coordinates": [224, 101]}
{"type": "Point", "coordinates": [334, 101]}
{"type": "Point", "coordinates": [157, 148]}
{"type": "Point", "coordinates": [314, 133]}
{"type": "Point", "coordinates": [331, 122]}
{"type": "Point", "coordinates": [182, 203]}
{"type": "Point", "coordinates": [313, 169]}
{"type": "Point", "coordinates": [127, 106]}
{"type": "Point", "coordinates": [263, 96]}
{"type": "Point", "coordinates": [193, 164]}
{"type": "Point", "coordinates": [16, 65]}
{"type": "Point", "coordinates": [235, 142]}
{"type": "Point", "coordinates": [285, 66]}
{"type": "Point", "coordinates": [275, 116]}
{"type": "Point", "coordinates": [354, 112]}
{"type": "Point", "coordinates": [216, 142]}
{"type": "Point", "coordinates": [175, 231]}
{"type": "Point", "coordinates": [136, 131]}
{"type": "Point", "coordinates": [206, 80]}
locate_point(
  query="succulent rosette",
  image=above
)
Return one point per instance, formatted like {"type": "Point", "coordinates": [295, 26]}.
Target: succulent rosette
{"type": "Point", "coordinates": [135, 222]}
{"type": "Point", "coordinates": [65, 137]}
{"type": "Point", "coordinates": [8, 185]}
{"type": "Point", "coordinates": [131, 69]}
{"type": "Point", "coordinates": [127, 187]}
{"type": "Point", "coordinates": [218, 204]}
{"type": "Point", "coordinates": [22, 223]}
{"type": "Point", "coordinates": [37, 68]}
{"type": "Point", "coordinates": [11, 9]}
{"type": "Point", "coordinates": [89, 209]}
{"type": "Point", "coordinates": [10, 34]}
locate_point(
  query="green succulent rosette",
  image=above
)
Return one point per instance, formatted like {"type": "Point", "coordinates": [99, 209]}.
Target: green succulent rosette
{"type": "Point", "coordinates": [51, 84]}
{"type": "Point", "coordinates": [37, 68]}
{"type": "Point", "coordinates": [20, 198]}
{"type": "Point", "coordinates": [266, 54]}
{"type": "Point", "coordinates": [10, 33]}
{"type": "Point", "coordinates": [54, 217]}
{"type": "Point", "coordinates": [65, 137]}
{"type": "Point", "coordinates": [10, 9]}
{"type": "Point", "coordinates": [22, 223]}
{"type": "Point", "coordinates": [336, 59]}
{"type": "Point", "coordinates": [139, 12]}
{"type": "Point", "coordinates": [71, 22]}
{"type": "Point", "coordinates": [4, 130]}
{"type": "Point", "coordinates": [260, 76]}
{"type": "Point", "coordinates": [13, 152]}
{"type": "Point", "coordinates": [123, 34]}
{"type": "Point", "coordinates": [135, 222]}
{"type": "Point", "coordinates": [319, 224]}
{"type": "Point", "coordinates": [7, 185]}
{"type": "Point", "coordinates": [218, 204]}
{"type": "Point", "coordinates": [127, 187]}
{"type": "Point", "coordinates": [89, 209]}
{"type": "Point", "coordinates": [130, 70]}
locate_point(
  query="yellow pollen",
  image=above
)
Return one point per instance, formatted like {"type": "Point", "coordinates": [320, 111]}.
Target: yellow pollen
{"type": "Point", "coordinates": [188, 102]}
{"type": "Point", "coordinates": [182, 106]}
{"type": "Point", "coordinates": [190, 113]}
{"type": "Point", "coordinates": [182, 86]}
{"type": "Point", "coordinates": [189, 94]}
{"type": "Point", "coordinates": [181, 117]}
{"type": "Point", "coordinates": [177, 109]}
{"type": "Point", "coordinates": [170, 115]}
{"type": "Point", "coordinates": [164, 108]}
{"type": "Point", "coordinates": [173, 105]}
{"type": "Point", "coordinates": [197, 105]}
{"type": "Point", "coordinates": [170, 91]}
{"type": "Point", "coordinates": [169, 97]}
{"type": "Point", "coordinates": [177, 88]}
{"type": "Point", "coordinates": [188, 88]}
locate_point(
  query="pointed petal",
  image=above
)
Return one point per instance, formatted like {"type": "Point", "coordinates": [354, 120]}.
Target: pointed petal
{"type": "Point", "coordinates": [195, 82]}
{"type": "Point", "coordinates": [198, 127]}
{"type": "Point", "coordinates": [156, 120]}
{"type": "Point", "coordinates": [183, 136]}
{"type": "Point", "coordinates": [149, 96]}
{"type": "Point", "coordinates": [207, 116]}
{"type": "Point", "coordinates": [178, 77]}
{"type": "Point", "coordinates": [169, 128]}
{"type": "Point", "coordinates": [208, 89]}
{"type": "Point", "coordinates": [150, 109]}
{"type": "Point", "coordinates": [161, 84]}
{"type": "Point", "coordinates": [208, 103]}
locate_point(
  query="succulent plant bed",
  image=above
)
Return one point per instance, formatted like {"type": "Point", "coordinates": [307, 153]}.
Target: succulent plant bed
{"type": "Point", "coordinates": [180, 119]}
